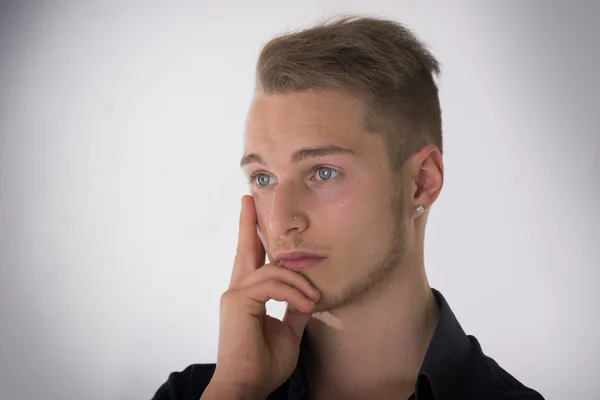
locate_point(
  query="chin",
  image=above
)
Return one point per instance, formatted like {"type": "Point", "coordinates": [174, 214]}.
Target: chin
{"type": "Point", "coordinates": [335, 293]}
{"type": "Point", "coordinates": [352, 292]}
{"type": "Point", "coordinates": [330, 301]}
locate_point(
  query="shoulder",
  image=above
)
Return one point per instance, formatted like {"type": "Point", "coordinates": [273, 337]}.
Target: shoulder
{"type": "Point", "coordinates": [190, 383]}
{"type": "Point", "coordinates": [187, 384]}
{"type": "Point", "coordinates": [485, 378]}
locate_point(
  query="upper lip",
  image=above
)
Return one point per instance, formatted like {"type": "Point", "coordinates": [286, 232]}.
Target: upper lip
{"type": "Point", "coordinates": [297, 254]}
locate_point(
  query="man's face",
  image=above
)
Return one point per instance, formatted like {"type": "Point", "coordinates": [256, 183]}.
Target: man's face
{"type": "Point", "coordinates": [338, 202]}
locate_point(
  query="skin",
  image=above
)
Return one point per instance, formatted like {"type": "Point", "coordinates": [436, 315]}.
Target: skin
{"type": "Point", "coordinates": [372, 315]}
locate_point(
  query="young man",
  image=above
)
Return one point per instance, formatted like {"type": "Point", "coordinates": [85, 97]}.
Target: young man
{"type": "Point", "coordinates": [343, 152]}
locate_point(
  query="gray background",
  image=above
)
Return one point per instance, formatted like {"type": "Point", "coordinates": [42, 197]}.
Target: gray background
{"type": "Point", "coordinates": [120, 135]}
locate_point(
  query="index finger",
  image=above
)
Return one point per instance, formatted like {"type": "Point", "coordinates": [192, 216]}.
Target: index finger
{"type": "Point", "coordinates": [250, 253]}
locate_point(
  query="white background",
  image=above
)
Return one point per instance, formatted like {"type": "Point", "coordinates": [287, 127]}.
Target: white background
{"type": "Point", "coordinates": [120, 136]}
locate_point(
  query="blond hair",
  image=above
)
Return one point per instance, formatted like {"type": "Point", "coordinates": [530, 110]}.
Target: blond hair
{"type": "Point", "coordinates": [379, 61]}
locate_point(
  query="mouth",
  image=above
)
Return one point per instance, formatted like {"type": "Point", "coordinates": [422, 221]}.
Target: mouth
{"type": "Point", "coordinates": [297, 261]}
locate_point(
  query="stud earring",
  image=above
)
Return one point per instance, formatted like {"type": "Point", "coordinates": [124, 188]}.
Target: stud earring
{"type": "Point", "coordinates": [420, 209]}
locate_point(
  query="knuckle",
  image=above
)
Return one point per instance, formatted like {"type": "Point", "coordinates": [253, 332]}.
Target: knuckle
{"type": "Point", "coordinates": [268, 269]}
{"type": "Point", "coordinates": [275, 286]}
{"type": "Point", "coordinates": [226, 297]}
{"type": "Point", "coordinates": [271, 284]}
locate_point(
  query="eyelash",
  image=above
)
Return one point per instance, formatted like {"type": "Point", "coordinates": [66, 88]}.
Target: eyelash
{"type": "Point", "coordinates": [253, 177]}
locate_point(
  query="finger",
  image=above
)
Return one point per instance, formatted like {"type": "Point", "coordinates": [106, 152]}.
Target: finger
{"type": "Point", "coordinates": [261, 252]}
{"type": "Point", "coordinates": [296, 321]}
{"type": "Point", "coordinates": [272, 272]}
{"type": "Point", "coordinates": [249, 247]}
{"type": "Point", "coordinates": [279, 291]}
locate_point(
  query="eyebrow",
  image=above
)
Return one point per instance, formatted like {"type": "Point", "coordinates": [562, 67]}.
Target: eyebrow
{"type": "Point", "coordinates": [300, 154]}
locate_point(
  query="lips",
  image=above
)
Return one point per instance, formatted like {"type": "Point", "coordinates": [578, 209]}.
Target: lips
{"type": "Point", "coordinates": [299, 260]}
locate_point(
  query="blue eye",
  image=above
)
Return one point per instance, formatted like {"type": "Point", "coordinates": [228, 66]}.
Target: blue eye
{"type": "Point", "coordinates": [263, 180]}
{"type": "Point", "coordinates": [326, 173]}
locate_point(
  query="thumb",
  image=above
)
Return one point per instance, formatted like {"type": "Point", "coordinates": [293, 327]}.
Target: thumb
{"type": "Point", "coordinates": [296, 321]}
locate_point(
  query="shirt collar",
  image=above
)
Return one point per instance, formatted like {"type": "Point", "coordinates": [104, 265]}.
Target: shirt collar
{"type": "Point", "coordinates": [445, 360]}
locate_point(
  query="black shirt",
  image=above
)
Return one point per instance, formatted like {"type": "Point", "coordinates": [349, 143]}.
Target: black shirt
{"type": "Point", "coordinates": [454, 368]}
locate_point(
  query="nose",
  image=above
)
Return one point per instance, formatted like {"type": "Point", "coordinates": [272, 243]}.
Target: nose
{"type": "Point", "coordinates": [286, 216]}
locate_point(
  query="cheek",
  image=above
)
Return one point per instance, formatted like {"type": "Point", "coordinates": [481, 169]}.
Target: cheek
{"type": "Point", "coordinates": [337, 204]}
{"type": "Point", "coordinates": [364, 210]}
{"type": "Point", "coordinates": [346, 208]}
{"type": "Point", "coordinates": [338, 211]}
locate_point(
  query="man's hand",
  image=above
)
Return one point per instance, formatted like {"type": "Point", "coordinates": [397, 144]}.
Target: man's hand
{"type": "Point", "coordinates": [257, 353]}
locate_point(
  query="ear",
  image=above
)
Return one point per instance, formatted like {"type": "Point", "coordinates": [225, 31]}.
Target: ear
{"type": "Point", "coordinates": [426, 170]}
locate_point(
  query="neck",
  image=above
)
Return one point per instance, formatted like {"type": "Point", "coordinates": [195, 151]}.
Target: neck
{"type": "Point", "coordinates": [377, 342]}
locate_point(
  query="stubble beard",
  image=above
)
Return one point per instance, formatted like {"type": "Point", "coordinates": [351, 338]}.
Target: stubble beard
{"type": "Point", "coordinates": [376, 274]}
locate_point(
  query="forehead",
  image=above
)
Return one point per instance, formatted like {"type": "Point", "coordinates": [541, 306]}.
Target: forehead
{"type": "Point", "coordinates": [297, 118]}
